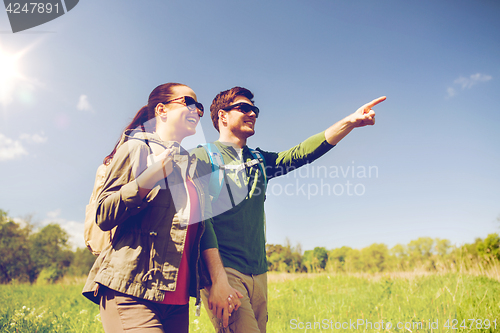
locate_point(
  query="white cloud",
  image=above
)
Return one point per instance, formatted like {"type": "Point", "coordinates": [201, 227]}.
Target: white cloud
{"type": "Point", "coordinates": [22, 222]}
{"type": "Point", "coordinates": [84, 104]}
{"type": "Point", "coordinates": [75, 232]}
{"type": "Point", "coordinates": [54, 214]}
{"type": "Point", "coordinates": [10, 149]}
{"type": "Point", "coordinates": [472, 80]}
{"type": "Point", "coordinates": [13, 149]}
{"type": "Point", "coordinates": [33, 138]}
{"type": "Point", "coordinates": [468, 82]}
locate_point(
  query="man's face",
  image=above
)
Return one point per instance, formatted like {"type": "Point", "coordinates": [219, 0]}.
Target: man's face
{"type": "Point", "coordinates": [240, 124]}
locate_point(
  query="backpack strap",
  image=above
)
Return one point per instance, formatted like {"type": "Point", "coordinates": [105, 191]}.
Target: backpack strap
{"type": "Point", "coordinates": [257, 155]}
{"type": "Point", "coordinates": [217, 176]}
{"type": "Point", "coordinates": [146, 139]}
{"type": "Point", "coordinates": [150, 157]}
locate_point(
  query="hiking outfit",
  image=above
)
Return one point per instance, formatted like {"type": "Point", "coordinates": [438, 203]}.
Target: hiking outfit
{"type": "Point", "coordinates": [239, 222]}
{"type": "Point", "coordinates": [144, 266]}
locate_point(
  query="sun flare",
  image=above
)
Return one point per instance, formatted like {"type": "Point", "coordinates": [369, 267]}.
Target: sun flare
{"type": "Point", "coordinates": [9, 69]}
{"type": "Point", "coordinates": [9, 74]}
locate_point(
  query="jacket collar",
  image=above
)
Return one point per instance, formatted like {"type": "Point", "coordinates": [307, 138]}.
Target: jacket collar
{"type": "Point", "coordinates": [154, 138]}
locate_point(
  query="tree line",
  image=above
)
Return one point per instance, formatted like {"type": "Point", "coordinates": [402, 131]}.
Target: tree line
{"type": "Point", "coordinates": [423, 253]}
{"type": "Point", "coordinates": [45, 255]}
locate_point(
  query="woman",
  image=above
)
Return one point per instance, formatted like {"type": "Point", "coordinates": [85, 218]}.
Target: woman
{"type": "Point", "coordinates": [144, 278]}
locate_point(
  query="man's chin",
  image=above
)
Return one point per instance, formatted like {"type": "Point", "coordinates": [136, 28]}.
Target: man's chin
{"type": "Point", "coordinates": [244, 133]}
{"type": "Point", "coordinates": [250, 132]}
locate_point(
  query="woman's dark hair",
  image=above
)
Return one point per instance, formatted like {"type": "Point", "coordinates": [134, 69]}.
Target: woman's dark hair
{"type": "Point", "coordinates": [160, 94]}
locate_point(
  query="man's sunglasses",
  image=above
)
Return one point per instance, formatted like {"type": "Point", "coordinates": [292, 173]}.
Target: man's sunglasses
{"type": "Point", "coordinates": [243, 107]}
{"type": "Point", "coordinates": [190, 103]}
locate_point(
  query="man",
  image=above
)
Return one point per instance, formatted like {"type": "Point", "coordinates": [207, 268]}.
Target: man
{"type": "Point", "coordinates": [238, 211]}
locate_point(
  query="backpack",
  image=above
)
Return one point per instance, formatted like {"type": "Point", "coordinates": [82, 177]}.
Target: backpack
{"type": "Point", "coordinates": [217, 176]}
{"type": "Point", "coordinates": [96, 239]}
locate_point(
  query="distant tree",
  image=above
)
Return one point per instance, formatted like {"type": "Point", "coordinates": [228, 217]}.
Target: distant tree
{"type": "Point", "coordinates": [321, 255]}
{"type": "Point", "coordinates": [284, 258]}
{"type": "Point", "coordinates": [14, 250]}
{"type": "Point", "coordinates": [295, 263]}
{"type": "Point", "coordinates": [420, 251]}
{"type": "Point", "coordinates": [337, 259]}
{"type": "Point", "coordinates": [422, 247]}
{"type": "Point", "coordinates": [273, 253]}
{"type": "Point", "coordinates": [353, 261]}
{"type": "Point", "coordinates": [82, 262]}
{"type": "Point", "coordinates": [307, 260]}
{"type": "Point", "coordinates": [316, 259]}
{"type": "Point", "coordinates": [465, 256]}
{"type": "Point", "coordinates": [374, 258]}
{"type": "Point", "coordinates": [471, 249]}
{"type": "Point", "coordinates": [489, 247]}
{"type": "Point", "coordinates": [442, 247]}
{"type": "Point", "coordinates": [399, 257]}
{"type": "Point", "coordinates": [50, 252]}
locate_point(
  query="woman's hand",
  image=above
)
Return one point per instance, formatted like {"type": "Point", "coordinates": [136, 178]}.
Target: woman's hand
{"type": "Point", "coordinates": [166, 161]}
{"type": "Point", "coordinates": [159, 167]}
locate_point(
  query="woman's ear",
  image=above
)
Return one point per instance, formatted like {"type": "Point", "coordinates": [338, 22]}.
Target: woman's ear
{"type": "Point", "coordinates": [161, 110]}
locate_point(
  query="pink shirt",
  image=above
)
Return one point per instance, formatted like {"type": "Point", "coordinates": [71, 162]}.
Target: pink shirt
{"type": "Point", "coordinates": [181, 294]}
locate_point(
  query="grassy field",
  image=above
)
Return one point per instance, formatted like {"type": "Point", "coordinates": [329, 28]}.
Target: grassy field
{"type": "Point", "coordinates": [297, 302]}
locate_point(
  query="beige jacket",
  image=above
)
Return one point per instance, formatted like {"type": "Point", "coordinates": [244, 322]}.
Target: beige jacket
{"type": "Point", "coordinates": [144, 256]}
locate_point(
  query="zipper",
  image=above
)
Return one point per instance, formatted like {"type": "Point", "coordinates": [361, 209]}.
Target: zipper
{"type": "Point", "coordinates": [201, 230]}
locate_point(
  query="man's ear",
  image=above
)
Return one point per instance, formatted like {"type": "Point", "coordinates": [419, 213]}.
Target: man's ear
{"type": "Point", "coordinates": [223, 116]}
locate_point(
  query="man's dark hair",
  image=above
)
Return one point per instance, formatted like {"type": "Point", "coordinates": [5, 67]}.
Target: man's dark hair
{"type": "Point", "coordinates": [225, 99]}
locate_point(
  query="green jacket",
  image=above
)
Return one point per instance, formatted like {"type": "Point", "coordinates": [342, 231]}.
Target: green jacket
{"type": "Point", "coordinates": [238, 215]}
{"type": "Point", "coordinates": [144, 256]}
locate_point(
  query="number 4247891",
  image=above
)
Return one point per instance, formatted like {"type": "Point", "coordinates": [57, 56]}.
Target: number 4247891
{"type": "Point", "coordinates": [32, 7]}
{"type": "Point", "coordinates": [471, 324]}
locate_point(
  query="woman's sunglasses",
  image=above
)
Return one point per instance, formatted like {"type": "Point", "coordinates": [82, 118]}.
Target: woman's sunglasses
{"type": "Point", "coordinates": [243, 107]}
{"type": "Point", "coordinates": [190, 103]}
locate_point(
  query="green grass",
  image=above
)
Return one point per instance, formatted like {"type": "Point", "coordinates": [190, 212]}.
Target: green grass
{"type": "Point", "coordinates": [294, 300]}
{"type": "Point", "coordinates": [332, 299]}
{"type": "Point", "coordinates": [48, 308]}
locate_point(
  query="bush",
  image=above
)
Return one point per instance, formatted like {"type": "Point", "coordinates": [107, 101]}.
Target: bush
{"type": "Point", "coordinates": [49, 275]}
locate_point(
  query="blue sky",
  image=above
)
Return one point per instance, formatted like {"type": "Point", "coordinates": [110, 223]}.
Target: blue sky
{"type": "Point", "coordinates": [433, 152]}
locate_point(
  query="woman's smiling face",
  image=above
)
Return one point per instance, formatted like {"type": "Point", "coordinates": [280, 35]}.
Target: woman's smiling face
{"type": "Point", "coordinates": [180, 121]}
